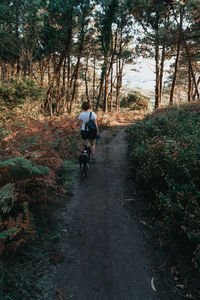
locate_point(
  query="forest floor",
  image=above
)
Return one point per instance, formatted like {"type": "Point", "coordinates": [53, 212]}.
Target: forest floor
{"type": "Point", "coordinates": [105, 252]}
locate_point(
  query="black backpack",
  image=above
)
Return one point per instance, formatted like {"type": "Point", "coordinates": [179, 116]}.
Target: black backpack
{"type": "Point", "coordinates": [92, 128]}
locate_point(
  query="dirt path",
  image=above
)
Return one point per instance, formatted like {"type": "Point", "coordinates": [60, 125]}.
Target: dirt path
{"type": "Point", "coordinates": [103, 245]}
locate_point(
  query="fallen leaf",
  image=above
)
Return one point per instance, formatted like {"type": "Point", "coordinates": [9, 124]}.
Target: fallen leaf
{"type": "Point", "coordinates": [152, 284]}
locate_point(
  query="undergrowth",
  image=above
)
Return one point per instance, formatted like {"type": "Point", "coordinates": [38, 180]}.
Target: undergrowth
{"type": "Point", "coordinates": [164, 155]}
{"type": "Point", "coordinates": [37, 157]}
{"type": "Point", "coordinates": [36, 162]}
{"type": "Point", "coordinates": [21, 99]}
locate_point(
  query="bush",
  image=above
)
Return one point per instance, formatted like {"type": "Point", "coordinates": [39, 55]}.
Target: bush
{"type": "Point", "coordinates": [135, 101]}
{"type": "Point", "coordinates": [34, 175]}
{"type": "Point", "coordinates": [19, 90]}
{"type": "Point", "coordinates": [15, 214]}
{"type": "Point", "coordinates": [164, 153]}
{"type": "Point", "coordinates": [31, 198]}
{"type": "Point", "coordinates": [21, 98]}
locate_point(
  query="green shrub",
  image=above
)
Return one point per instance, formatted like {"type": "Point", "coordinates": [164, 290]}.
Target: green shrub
{"type": "Point", "coordinates": [135, 101]}
{"type": "Point", "coordinates": [21, 98]}
{"type": "Point", "coordinates": [19, 90]}
{"type": "Point", "coordinates": [164, 153]}
{"type": "Point", "coordinates": [18, 169]}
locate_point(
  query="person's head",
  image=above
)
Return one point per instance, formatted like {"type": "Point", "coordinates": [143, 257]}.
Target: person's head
{"type": "Point", "coordinates": [85, 106]}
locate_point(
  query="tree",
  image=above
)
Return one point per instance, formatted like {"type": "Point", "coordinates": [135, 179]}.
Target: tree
{"type": "Point", "coordinates": [153, 16]}
{"type": "Point", "coordinates": [124, 52]}
{"type": "Point", "coordinates": [84, 18]}
{"type": "Point", "coordinates": [105, 20]}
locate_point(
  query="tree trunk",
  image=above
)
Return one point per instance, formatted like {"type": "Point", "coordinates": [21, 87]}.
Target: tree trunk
{"type": "Point", "coordinates": [157, 87]}
{"type": "Point", "coordinates": [161, 71]}
{"type": "Point", "coordinates": [195, 93]}
{"type": "Point", "coordinates": [76, 71]}
{"type": "Point", "coordinates": [106, 93]}
{"type": "Point", "coordinates": [111, 89]}
{"type": "Point", "coordinates": [118, 84]}
{"type": "Point", "coordinates": [119, 69]}
{"type": "Point", "coordinates": [49, 72]}
{"type": "Point", "coordinates": [63, 55]}
{"type": "Point", "coordinates": [179, 35]}
{"type": "Point", "coordinates": [191, 68]}
{"type": "Point", "coordinates": [86, 81]}
{"type": "Point", "coordinates": [58, 93]}
{"type": "Point", "coordinates": [175, 72]}
{"type": "Point", "coordinates": [30, 65]}
{"type": "Point", "coordinates": [103, 73]}
{"type": "Point", "coordinates": [68, 92]}
{"type": "Point", "coordinates": [189, 85]}
{"type": "Point", "coordinates": [100, 93]}
{"type": "Point", "coordinates": [110, 97]}
{"type": "Point", "coordinates": [94, 81]}
{"type": "Point", "coordinates": [75, 78]}
{"type": "Point", "coordinates": [157, 61]}
{"type": "Point", "coordinates": [18, 69]}
{"type": "Point", "coordinates": [63, 90]}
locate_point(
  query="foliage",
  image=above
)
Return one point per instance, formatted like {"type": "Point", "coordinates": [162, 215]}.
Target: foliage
{"type": "Point", "coordinates": [135, 101]}
{"type": "Point", "coordinates": [7, 198]}
{"type": "Point", "coordinates": [21, 98]}
{"type": "Point", "coordinates": [59, 42]}
{"type": "Point", "coordinates": [19, 90]}
{"type": "Point", "coordinates": [34, 170]}
{"type": "Point", "coordinates": [19, 168]}
{"type": "Point", "coordinates": [15, 216]}
{"type": "Point", "coordinates": [35, 178]}
{"type": "Point", "coordinates": [164, 153]}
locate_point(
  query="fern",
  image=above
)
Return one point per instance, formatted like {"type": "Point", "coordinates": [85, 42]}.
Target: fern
{"type": "Point", "coordinates": [4, 132]}
{"type": "Point", "coordinates": [67, 170]}
{"type": "Point", "coordinates": [5, 297]}
{"type": "Point", "coordinates": [26, 207]}
{"type": "Point", "coordinates": [7, 198]}
{"type": "Point", "coordinates": [7, 233]}
{"type": "Point", "coordinates": [22, 168]}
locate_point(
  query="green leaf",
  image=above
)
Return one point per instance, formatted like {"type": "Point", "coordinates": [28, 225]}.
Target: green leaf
{"type": "Point", "coordinates": [7, 197]}
{"type": "Point", "coordinates": [5, 234]}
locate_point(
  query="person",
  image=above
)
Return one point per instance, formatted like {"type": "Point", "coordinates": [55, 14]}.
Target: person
{"type": "Point", "coordinates": [88, 139]}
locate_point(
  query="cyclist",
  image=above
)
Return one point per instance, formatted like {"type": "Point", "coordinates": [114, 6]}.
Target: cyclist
{"type": "Point", "coordinates": [87, 136]}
